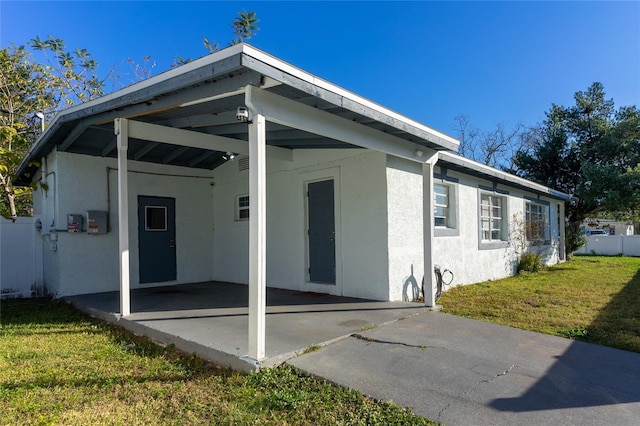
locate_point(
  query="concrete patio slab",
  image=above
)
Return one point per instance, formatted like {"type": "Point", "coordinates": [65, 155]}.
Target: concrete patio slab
{"type": "Point", "coordinates": [211, 319]}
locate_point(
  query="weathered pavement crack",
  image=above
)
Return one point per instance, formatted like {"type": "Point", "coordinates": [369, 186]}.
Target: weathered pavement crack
{"type": "Point", "coordinates": [389, 342]}
{"type": "Point", "coordinates": [473, 388]}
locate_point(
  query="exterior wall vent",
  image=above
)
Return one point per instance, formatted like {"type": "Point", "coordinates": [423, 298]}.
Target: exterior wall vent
{"type": "Point", "coordinates": [243, 163]}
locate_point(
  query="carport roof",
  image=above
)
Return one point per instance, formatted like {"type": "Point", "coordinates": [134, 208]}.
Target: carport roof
{"type": "Point", "coordinates": [203, 96]}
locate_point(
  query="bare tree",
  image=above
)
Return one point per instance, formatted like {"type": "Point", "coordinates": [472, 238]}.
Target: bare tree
{"type": "Point", "coordinates": [494, 148]}
{"type": "Point", "coordinates": [467, 136]}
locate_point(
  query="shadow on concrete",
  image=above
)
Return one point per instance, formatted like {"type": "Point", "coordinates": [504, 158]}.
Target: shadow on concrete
{"type": "Point", "coordinates": [590, 375]}
{"type": "Point", "coordinates": [208, 295]}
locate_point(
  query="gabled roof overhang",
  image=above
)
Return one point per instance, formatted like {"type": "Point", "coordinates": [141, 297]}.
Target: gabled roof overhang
{"type": "Point", "coordinates": [202, 97]}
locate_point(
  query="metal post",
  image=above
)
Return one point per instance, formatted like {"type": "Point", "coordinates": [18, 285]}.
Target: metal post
{"type": "Point", "coordinates": [562, 250]}
{"type": "Point", "coordinates": [257, 236]}
{"type": "Point", "coordinates": [122, 133]}
{"type": "Point", "coordinates": [427, 229]}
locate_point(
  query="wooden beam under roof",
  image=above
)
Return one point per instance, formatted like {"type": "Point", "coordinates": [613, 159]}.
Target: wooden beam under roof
{"type": "Point", "coordinates": [189, 138]}
{"type": "Point", "coordinates": [175, 154]}
{"type": "Point", "coordinates": [144, 150]}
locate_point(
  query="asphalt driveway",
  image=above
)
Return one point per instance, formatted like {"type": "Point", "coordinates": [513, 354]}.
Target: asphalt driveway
{"type": "Point", "coordinates": [465, 372]}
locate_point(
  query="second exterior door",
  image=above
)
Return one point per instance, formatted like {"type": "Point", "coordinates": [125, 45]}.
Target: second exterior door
{"type": "Point", "coordinates": [322, 235]}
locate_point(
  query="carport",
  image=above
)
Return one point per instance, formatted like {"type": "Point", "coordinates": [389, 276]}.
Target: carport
{"type": "Point", "coordinates": [190, 117]}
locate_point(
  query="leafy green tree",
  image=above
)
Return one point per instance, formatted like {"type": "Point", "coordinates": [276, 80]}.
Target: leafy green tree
{"type": "Point", "coordinates": [23, 93]}
{"type": "Point", "coordinates": [244, 27]}
{"type": "Point", "coordinates": [32, 90]}
{"type": "Point", "coordinates": [72, 75]}
{"type": "Point", "coordinates": [589, 150]}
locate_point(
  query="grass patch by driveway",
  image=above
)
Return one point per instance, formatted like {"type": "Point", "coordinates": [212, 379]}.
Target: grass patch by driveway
{"type": "Point", "coordinates": [58, 366]}
{"type": "Point", "coordinates": [591, 298]}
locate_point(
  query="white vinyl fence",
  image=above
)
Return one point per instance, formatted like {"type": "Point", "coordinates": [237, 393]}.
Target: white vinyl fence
{"type": "Point", "coordinates": [612, 245]}
{"type": "Point", "coordinates": [20, 258]}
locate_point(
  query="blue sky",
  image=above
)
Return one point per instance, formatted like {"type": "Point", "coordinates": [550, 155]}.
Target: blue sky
{"type": "Point", "coordinates": [494, 62]}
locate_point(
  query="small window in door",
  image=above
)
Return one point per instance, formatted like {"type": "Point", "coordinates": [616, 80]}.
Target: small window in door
{"type": "Point", "coordinates": [155, 218]}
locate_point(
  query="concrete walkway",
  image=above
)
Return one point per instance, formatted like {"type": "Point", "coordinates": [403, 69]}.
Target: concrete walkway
{"type": "Point", "coordinates": [464, 372]}
{"type": "Point", "coordinates": [211, 319]}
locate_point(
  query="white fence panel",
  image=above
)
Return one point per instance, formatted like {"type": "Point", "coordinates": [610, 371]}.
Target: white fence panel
{"type": "Point", "coordinates": [18, 257]}
{"type": "Point", "coordinates": [612, 245]}
{"type": "Point", "coordinates": [631, 245]}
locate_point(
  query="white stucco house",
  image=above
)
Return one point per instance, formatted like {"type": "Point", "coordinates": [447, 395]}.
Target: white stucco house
{"type": "Point", "coordinates": [239, 167]}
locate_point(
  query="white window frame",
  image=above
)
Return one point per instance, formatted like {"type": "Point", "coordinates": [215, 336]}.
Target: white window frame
{"type": "Point", "coordinates": [441, 203]}
{"type": "Point", "coordinates": [240, 207]}
{"type": "Point", "coordinates": [502, 239]}
{"type": "Point", "coordinates": [542, 218]}
{"type": "Point", "coordinates": [450, 226]}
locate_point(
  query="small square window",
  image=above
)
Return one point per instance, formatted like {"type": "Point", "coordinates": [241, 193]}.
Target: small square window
{"type": "Point", "coordinates": [155, 218]}
{"type": "Point", "coordinates": [242, 207]}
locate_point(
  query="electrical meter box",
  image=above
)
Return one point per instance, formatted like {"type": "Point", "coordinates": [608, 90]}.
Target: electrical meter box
{"type": "Point", "coordinates": [97, 222]}
{"type": "Point", "coordinates": [74, 223]}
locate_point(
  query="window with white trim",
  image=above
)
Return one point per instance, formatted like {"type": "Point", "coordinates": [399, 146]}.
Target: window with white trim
{"type": "Point", "coordinates": [242, 207]}
{"type": "Point", "coordinates": [536, 221]}
{"type": "Point", "coordinates": [441, 206]}
{"type": "Point", "coordinates": [493, 224]}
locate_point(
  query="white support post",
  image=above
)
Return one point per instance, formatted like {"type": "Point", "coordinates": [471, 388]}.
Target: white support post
{"type": "Point", "coordinates": [562, 223]}
{"type": "Point", "coordinates": [122, 133]}
{"type": "Point", "coordinates": [257, 237]}
{"type": "Point", "coordinates": [427, 232]}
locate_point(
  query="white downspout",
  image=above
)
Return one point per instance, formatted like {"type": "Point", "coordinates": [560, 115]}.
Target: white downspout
{"type": "Point", "coordinates": [45, 192]}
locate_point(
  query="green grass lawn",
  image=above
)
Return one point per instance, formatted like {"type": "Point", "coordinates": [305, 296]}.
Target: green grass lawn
{"type": "Point", "coordinates": [58, 366]}
{"type": "Point", "coordinates": [591, 298]}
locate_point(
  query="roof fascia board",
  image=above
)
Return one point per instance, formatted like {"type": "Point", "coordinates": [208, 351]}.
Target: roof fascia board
{"type": "Point", "coordinates": [191, 139]}
{"type": "Point", "coordinates": [290, 113]}
{"type": "Point", "coordinates": [342, 97]}
{"type": "Point", "coordinates": [507, 178]}
{"type": "Point", "coordinates": [432, 136]}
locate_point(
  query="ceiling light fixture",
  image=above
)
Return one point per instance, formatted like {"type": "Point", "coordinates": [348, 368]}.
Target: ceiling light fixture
{"type": "Point", "coordinates": [229, 156]}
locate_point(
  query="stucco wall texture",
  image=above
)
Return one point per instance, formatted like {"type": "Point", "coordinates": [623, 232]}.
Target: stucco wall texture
{"type": "Point", "coordinates": [77, 263]}
{"type": "Point", "coordinates": [378, 212]}
{"type": "Point", "coordinates": [460, 253]}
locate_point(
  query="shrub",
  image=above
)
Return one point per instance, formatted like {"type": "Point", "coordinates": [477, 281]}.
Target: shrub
{"type": "Point", "coordinates": [530, 262]}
